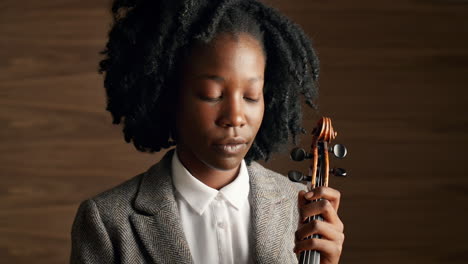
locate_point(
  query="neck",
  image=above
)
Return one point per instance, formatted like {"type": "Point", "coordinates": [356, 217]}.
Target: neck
{"type": "Point", "coordinates": [216, 179]}
{"type": "Point", "coordinates": [210, 176]}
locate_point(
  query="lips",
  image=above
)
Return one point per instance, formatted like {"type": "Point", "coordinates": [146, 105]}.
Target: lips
{"type": "Point", "coordinates": [231, 146]}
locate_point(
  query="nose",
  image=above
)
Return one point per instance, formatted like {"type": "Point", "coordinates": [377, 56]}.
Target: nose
{"type": "Point", "coordinates": [232, 113]}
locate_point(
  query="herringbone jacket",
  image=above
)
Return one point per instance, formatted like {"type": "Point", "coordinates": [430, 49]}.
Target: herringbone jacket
{"type": "Point", "coordinates": [138, 221]}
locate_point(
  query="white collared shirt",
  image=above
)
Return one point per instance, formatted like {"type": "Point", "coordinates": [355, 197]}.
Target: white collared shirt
{"type": "Point", "coordinates": [216, 223]}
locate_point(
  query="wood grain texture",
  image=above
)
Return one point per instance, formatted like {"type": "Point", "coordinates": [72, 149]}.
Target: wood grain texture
{"type": "Point", "coordinates": [394, 78]}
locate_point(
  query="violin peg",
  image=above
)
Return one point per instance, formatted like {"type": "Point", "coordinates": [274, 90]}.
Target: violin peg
{"type": "Point", "coordinates": [298, 154]}
{"type": "Point", "coordinates": [295, 176]}
{"type": "Point", "coordinates": [338, 150]}
{"type": "Point", "coordinates": [340, 172]}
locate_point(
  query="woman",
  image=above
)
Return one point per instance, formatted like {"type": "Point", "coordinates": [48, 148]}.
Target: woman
{"type": "Point", "coordinates": [220, 80]}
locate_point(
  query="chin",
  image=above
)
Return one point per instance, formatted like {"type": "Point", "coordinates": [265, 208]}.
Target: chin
{"type": "Point", "coordinates": [225, 164]}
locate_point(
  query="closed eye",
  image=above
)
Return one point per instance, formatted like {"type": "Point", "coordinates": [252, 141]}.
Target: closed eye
{"type": "Point", "coordinates": [251, 99]}
{"type": "Point", "coordinates": [211, 99]}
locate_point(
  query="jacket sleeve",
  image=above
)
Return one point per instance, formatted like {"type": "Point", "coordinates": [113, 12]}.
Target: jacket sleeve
{"type": "Point", "coordinates": [90, 240]}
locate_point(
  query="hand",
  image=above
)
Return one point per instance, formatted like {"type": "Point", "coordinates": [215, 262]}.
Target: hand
{"type": "Point", "coordinates": [330, 229]}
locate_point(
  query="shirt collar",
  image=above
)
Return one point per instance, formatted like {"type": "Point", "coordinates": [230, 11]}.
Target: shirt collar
{"type": "Point", "coordinates": [199, 195]}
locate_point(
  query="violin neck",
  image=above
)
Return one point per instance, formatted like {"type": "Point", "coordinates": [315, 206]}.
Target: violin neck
{"type": "Point", "coordinates": [313, 256]}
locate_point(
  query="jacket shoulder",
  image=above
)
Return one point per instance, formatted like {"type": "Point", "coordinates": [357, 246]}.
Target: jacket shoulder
{"type": "Point", "coordinates": [117, 203]}
{"type": "Point", "coordinates": [282, 182]}
{"type": "Point", "coordinates": [121, 194]}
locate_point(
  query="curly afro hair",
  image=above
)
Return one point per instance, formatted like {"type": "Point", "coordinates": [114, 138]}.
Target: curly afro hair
{"type": "Point", "coordinates": [147, 40]}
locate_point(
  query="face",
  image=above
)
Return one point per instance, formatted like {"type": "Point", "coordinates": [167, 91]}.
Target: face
{"type": "Point", "coordinates": [220, 104]}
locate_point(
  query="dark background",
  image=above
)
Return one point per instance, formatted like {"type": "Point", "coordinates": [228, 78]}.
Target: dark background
{"type": "Point", "coordinates": [394, 78]}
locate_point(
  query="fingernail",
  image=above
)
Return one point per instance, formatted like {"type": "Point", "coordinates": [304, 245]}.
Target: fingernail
{"type": "Point", "coordinates": [309, 195]}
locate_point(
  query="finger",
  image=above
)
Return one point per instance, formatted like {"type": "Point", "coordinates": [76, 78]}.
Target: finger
{"type": "Point", "coordinates": [329, 250]}
{"type": "Point", "coordinates": [324, 192]}
{"type": "Point", "coordinates": [301, 200]}
{"type": "Point", "coordinates": [323, 208]}
{"type": "Point", "coordinates": [326, 230]}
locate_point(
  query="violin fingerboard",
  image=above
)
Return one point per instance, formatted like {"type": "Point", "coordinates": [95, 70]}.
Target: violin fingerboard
{"type": "Point", "coordinates": [311, 256]}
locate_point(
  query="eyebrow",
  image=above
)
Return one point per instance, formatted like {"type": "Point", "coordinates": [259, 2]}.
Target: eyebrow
{"type": "Point", "coordinates": [220, 79]}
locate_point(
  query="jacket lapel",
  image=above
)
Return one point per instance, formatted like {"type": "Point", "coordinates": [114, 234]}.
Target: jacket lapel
{"type": "Point", "coordinates": [157, 221]}
{"type": "Point", "coordinates": [269, 210]}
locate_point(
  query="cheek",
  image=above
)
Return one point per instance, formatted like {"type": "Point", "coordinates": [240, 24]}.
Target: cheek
{"type": "Point", "coordinates": [256, 115]}
{"type": "Point", "coordinates": [193, 127]}
{"type": "Point", "coordinates": [200, 114]}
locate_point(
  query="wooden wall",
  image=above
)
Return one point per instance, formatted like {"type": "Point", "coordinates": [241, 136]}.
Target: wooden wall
{"type": "Point", "coordinates": [394, 80]}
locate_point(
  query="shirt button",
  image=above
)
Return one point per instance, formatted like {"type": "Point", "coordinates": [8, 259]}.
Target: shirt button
{"type": "Point", "coordinates": [221, 225]}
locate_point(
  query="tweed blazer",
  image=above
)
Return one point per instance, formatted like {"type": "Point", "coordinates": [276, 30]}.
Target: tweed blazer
{"type": "Point", "coordinates": [138, 221]}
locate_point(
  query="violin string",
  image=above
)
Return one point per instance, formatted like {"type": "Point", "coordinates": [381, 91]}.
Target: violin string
{"type": "Point", "coordinates": [307, 256]}
{"type": "Point", "coordinates": [320, 182]}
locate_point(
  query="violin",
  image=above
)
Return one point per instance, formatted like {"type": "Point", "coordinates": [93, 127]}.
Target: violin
{"type": "Point", "coordinates": [319, 170]}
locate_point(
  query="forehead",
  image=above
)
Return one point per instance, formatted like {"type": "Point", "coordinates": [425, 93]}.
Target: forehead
{"type": "Point", "coordinates": [227, 51]}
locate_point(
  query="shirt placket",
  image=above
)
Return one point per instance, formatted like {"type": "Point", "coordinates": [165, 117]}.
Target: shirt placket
{"type": "Point", "coordinates": [222, 230]}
